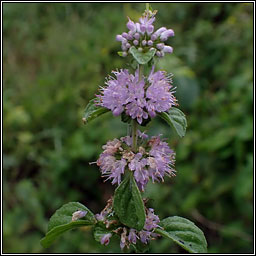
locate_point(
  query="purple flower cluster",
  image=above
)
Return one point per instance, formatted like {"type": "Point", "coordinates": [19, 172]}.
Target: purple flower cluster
{"type": "Point", "coordinates": [154, 159]}
{"type": "Point", "coordinates": [130, 236]}
{"type": "Point", "coordinates": [141, 35]}
{"type": "Point", "coordinates": [139, 99]}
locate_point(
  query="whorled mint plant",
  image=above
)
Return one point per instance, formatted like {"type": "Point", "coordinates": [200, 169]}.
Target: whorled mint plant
{"type": "Point", "coordinates": [131, 161]}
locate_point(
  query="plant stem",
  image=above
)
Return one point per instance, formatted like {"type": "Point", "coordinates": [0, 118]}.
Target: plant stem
{"type": "Point", "coordinates": [147, 6]}
{"type": "Point", "coordinates": [134, 122]}
{"type": "Point", "coordinates": [134, 135]}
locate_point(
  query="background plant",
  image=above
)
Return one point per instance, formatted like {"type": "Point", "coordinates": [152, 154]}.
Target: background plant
{"type": "Point", "coordinates": [45, 47]}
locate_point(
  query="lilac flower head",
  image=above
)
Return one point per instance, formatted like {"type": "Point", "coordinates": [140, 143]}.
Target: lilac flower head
{"type": "Point", "coordinates": [128, 235]}
{"type": "Point", "coordinates": [126, 93]}
{"type": "Point", "coordinates": [154, 160]}
{"type": "Point", "coordinates": [139, 33]}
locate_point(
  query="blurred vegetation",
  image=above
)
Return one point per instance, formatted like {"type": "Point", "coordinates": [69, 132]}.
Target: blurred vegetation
{"type": "Point", "coordinates": [55, 55]}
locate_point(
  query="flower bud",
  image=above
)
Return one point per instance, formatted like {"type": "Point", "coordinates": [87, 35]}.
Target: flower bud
{"type": "Point", "coordinates": [166, 34]}
{"type": "Point", "coordinates": [154, 37]}
{"type": "Point", "coordinates": [137, 36]}
{"type": "Point", "coordinates": [128, 45]}
{"type": "Point", "coordinates": [138, 27]}
{"type": "Point", "coordinates": [150, 43]}
{"type": "Point", "coordinates": [131, 25]}
{"type": "Point", "coordinates": [159, 54]}
{"type": "Point", "coordinates": [135, 42]}
{"type": "Point", "coordinates": [168, 49]}
{"type": "Point", "coordinates": [119, 38]}
{"type": "Point", "coordinates": [140, 49]}
{"type": "Point", "coordinates": [160, 31]}
{"type": "Point", "coordinates": [144, 42]}
{"type": "Point", "coordinates": [125, 35]}
{"type": "Point", "coordinates": [142, 28]}
{"type": "Point", "coordinates": [124, 54]}
{"type": "Point", "coordinates": [130, 35]}
{"type": "Point", "coordinates": [124, 47]}
{"type": "Point", "coordinates": [160, 46]}
{"type": "Point", "coordinates": [124, 41]}
{"type": "Point", "coordinates": [150, 29]}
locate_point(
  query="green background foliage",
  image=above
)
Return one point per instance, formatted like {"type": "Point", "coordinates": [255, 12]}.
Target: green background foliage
{"type": "Point", "coordinates": [55, 55]}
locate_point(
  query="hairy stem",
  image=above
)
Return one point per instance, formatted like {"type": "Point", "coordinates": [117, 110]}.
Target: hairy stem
{"type": "Point", "coordinates": [134, 122]}
{"type": "Point", "coordinates": [134, 135]}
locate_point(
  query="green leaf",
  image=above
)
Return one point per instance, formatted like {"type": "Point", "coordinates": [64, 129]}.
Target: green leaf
{"type": "Point", "coordinates": [177, 119]}
{"type": "Point", "coordinates": [61, 221]}
{"type": "Point", "coordinates": [128, 204]}
{"type": "Point", "coordinates": [140, 247]}
{"type": "Point", "coordinates": [183, 232]}
{"type": "Point", "coordinates": [92, 111]}
{"type": "Point", "coordinates": [120, 54]}
{"type": "Point", "coordinates": [141, 57]}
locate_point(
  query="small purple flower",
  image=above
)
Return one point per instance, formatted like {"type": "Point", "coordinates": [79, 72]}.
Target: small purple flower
{"type": "Point", "coordinates": [144, 42]}
{"type": "Point", "coordinates": [142, 135]}
{"type": "Point", "coordinates": [132, 237]}
{"type": "Point", "coordinates": [146, 21]}
{"type": "Point", "coordinates": [117, 171]}
{"type": "Point", "coordinates": [144, 236]}
{"type": "Point", "coordinates": [78, 215]}
{"type": "Point", "coordinates": [111, 168]}
{"type": "Point", "coordinates": [100, 217]}
{"type": "Point", "coordinates": [140, 173]}
{"type": "Point", "coordinates": [127, 140]}
{"type": "Point", "coordinates": [152, 220]}
{"type": "Point", "coordinates": [105, 239]}
{"type": "Point", "coordinates": [123, 238]}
